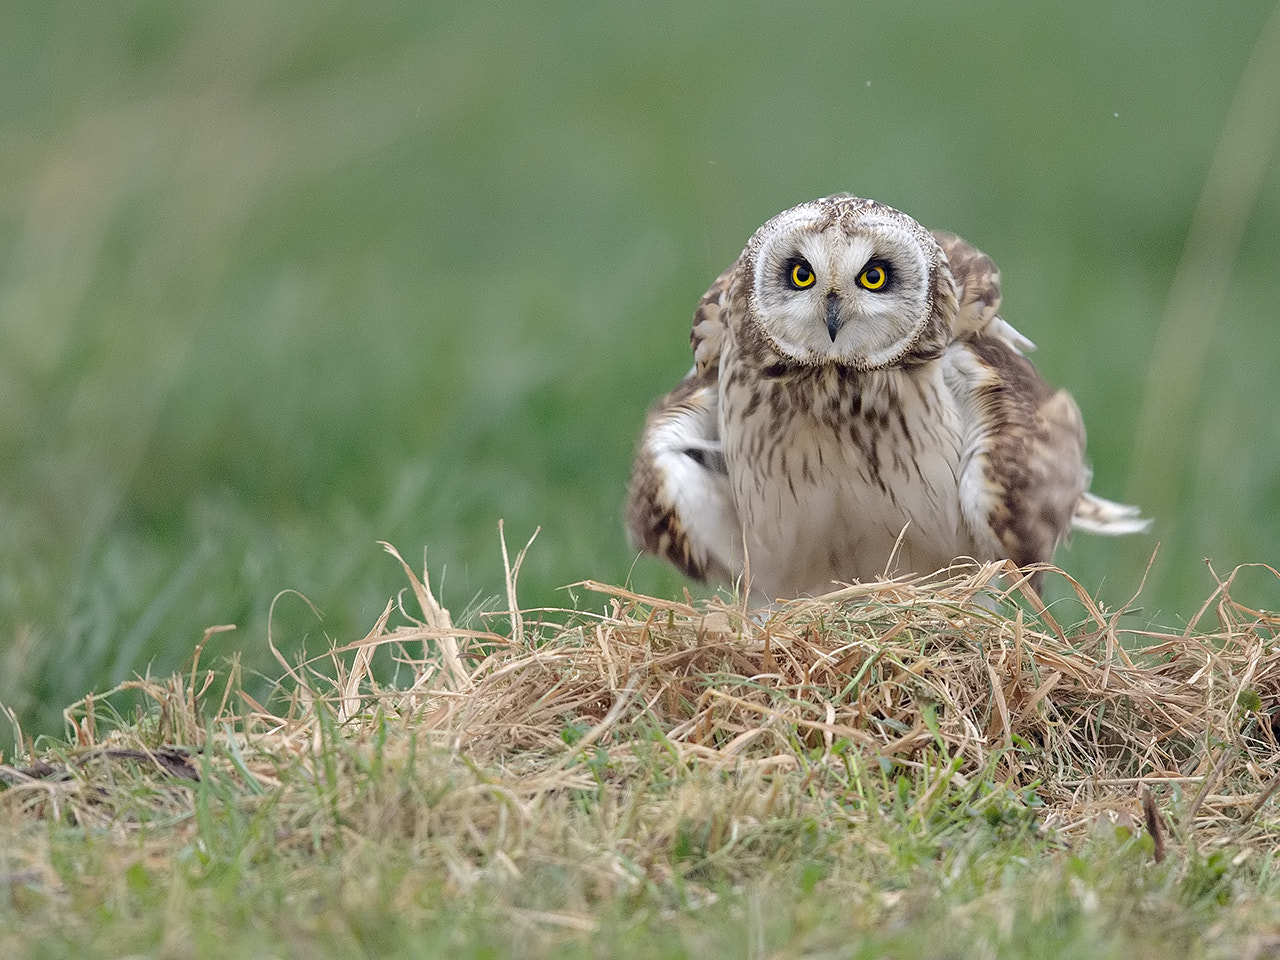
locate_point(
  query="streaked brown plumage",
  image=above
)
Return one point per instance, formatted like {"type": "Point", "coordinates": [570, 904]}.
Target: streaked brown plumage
{"type": "Point", "coordinates": [858, 407]}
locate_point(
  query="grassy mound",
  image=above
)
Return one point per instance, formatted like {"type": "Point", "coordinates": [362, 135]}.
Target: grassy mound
{"type": "Point", "coordinates": [881, 766]}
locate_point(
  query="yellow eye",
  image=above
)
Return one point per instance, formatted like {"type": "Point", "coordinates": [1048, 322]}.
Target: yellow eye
{"type": "Point", "coordinates": [874, 277]}
{"type": "Point", "coordinates": [801, 275]}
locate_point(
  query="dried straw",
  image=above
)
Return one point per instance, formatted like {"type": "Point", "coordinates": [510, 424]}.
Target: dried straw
{"type": "Point", "coordinates": [903, 673]}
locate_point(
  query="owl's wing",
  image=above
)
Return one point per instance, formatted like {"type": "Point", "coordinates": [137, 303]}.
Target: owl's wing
{"type": "Point", "coordinates": [709, 323]}
{"type": "Point", "coordinates": [1023, 473]}
{"type": "Point", "coordinates": [1096, 514]}
{"type": "Point", "coordinates": [977, 280]}
{"type": "Point", "coordinates": [679, 506]}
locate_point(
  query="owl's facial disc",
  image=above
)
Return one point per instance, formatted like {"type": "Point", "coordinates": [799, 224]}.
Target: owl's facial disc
{"type": "Point", "coordinates": [854, 290]}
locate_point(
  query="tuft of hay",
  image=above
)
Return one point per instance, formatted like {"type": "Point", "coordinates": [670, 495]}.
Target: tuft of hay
{"type": "Point", "coordinates": [1089, 717]}
{"type": "Point", "coordinates": [910, 674]}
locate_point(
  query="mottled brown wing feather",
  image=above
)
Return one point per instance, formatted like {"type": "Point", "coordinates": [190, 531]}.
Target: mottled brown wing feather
{"type": "Point", "coordinates": [678, 504]}
{"type": "Point", "coordinates": [1034, 468]}
{"type": "Point", "coordinates": [668, 458]}
{"type": "Point", "coordinates": [977, 283]}
{"type": "Point", "coordinates": [709, 321]}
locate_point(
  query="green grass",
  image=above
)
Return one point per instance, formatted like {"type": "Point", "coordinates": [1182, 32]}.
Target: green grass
{"type": "Point", "coordinates": [800, 886]}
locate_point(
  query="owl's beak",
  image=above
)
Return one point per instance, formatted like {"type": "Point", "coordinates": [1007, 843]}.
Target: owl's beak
{"type": "Point", "coordinates": [834, 320]}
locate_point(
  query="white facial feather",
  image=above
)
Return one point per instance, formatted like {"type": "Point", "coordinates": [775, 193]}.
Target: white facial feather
{"type": "Point", "coordinates": [875, 327]}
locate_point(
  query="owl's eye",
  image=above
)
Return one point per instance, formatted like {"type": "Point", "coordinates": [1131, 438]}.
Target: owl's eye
{"type": "Point", "coordinates": [875, 276]}
{"type": "Point", "coordinates": [801, 275]}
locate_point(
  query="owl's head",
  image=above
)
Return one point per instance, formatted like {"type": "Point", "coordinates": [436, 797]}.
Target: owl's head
{"type": "Point", "coordinates": [847, 281]}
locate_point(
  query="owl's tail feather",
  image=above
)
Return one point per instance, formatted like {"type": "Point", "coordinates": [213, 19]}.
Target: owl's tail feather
{"type": "Point", "coordinates": [1096, 514]}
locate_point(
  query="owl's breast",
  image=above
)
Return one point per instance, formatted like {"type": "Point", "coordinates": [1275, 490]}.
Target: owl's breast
{"type": "Point", "coordinates": [840, 475]}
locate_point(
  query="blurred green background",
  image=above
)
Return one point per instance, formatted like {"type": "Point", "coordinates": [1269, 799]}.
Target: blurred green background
{"type": "Point", "coordinates": [278, 281]}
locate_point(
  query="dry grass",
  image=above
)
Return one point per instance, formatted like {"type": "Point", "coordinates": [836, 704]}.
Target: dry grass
{"type": "Point", "coordinates": [901, 671]}
{"type": "Point", "coordinates": [622, 744]}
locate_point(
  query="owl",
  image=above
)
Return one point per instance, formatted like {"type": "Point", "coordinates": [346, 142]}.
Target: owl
{"type": "Point", "coordinates": [857, 408]}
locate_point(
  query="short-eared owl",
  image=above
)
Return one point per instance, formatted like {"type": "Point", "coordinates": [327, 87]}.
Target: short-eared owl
{"type": "Point", "coordinates": [857, 407]}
